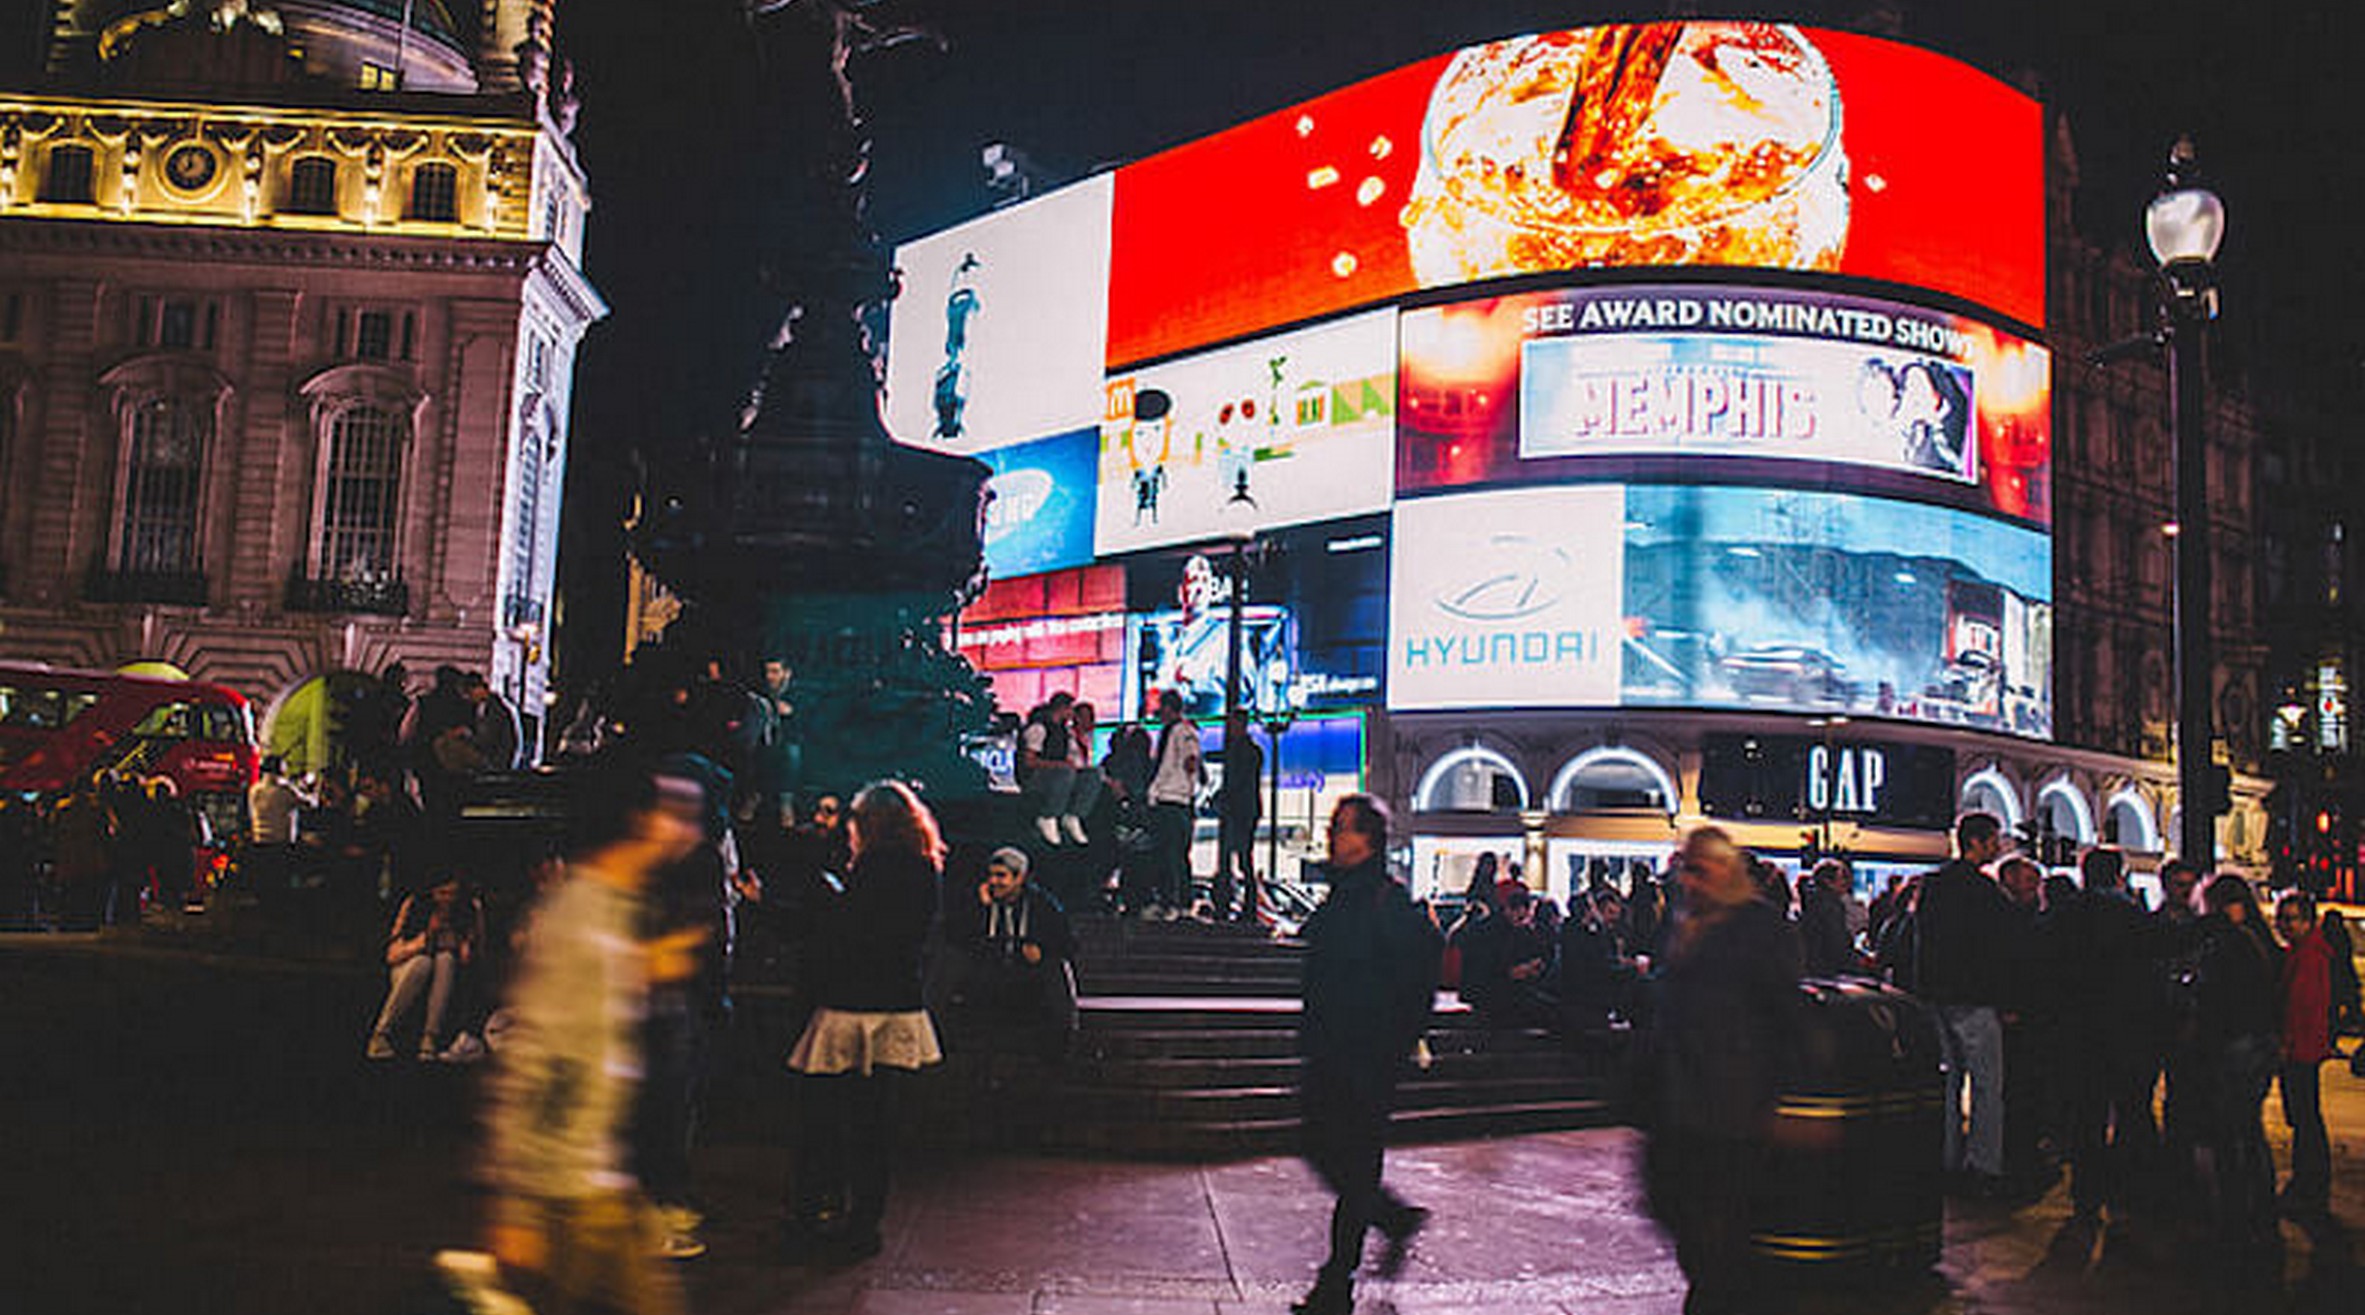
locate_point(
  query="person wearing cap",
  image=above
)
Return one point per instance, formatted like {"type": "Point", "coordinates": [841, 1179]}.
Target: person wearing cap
{"type": "Point", "coordinates": [1507, 964]}
{"type": "Point", "coordinates": [1011, 969]}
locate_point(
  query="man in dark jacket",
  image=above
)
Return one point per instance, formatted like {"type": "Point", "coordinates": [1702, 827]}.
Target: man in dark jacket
{"type": "Point", "coordinates": [2104, 965]}
{"type": "Point", "coordinates": [1823, 922]}
{"type": "Point", "coordinates": [1012, 955]}
{"type": "Point", "coordinates": [1507, 964]}
{"type": "Point", "coordinates": [1964, 921]}
{"type": "Point", "coordinates": [1728, 997]}
{"type": "Point", "coordinates": [1370, 978]}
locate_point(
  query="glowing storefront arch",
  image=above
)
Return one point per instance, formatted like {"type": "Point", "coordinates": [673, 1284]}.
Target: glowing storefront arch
{"type": "Point", "coordinates": [2146, 837]}
{"type": "Point", "coordinates": [1618, 755]}
{"type": "Point", "coordinates": [1989, 781]}
{"type": "Point", "coordinates": [1424, 798]}
{"type": "Point", "coordinates": [2081, 812]}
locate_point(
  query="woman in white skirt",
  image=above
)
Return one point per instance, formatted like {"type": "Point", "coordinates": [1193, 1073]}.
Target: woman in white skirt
{"type": "Point", "coordinates": [868, 1027]}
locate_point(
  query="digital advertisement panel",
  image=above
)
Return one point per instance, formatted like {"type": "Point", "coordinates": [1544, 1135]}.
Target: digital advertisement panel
{"type": "Point", "coordinates": [999, 333]}
{"type": "Point", "coordinates": [1506, 599]}
{"type": "Point", "coordinates": [1704, 143]}
{"type": "Point", "coordinates": [1294, 428]}
{"type": "Point", "coordinates": [1805, 601]}
{"type": "Point", "coordinates": [1039, 517]}
{"type": "Point", "coordinates": [1636, 382]}
{"type": "Point", "coordinates": [1777, 600]}
{"type": "Point", "coordinates": [1313, 622]}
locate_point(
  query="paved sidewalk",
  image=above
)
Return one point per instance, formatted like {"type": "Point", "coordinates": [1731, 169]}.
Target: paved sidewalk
{"type": "Point", "coordinates": [1524, 1226]}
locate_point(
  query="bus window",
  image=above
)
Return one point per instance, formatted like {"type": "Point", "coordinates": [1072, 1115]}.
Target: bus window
{"type": "Point", "coordinates": [33, 708]}
{"type": "Point", "coordinates": [170, 721]}
{"type": "Point", "coordinates": [219, 724]}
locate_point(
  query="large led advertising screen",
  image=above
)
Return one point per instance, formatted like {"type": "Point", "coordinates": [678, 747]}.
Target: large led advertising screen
{"type": "Point", "coordinates": [1695, 143]}
{"type": "Point", "coordinates": [1775, 386]}
{"type": "Point", "coordinates": [1293, 428]}
{"type": "Point", "coordinates": [1782, 600]}
{"type": "Point", "coordinates": [999, 332]}
{"type": "Point", "coordinates": [1037, 635]}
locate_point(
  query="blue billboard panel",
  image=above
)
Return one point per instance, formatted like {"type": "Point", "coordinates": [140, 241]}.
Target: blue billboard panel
{"type": "Point", "coordinates": [1040, 517]}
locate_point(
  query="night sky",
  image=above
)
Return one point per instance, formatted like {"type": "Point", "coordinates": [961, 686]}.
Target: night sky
{"type": "Point", "coordinates": [669, 140]}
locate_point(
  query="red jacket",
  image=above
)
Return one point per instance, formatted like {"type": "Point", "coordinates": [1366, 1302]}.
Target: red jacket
{"type": "Point", "coordinates": [2307, 1001]}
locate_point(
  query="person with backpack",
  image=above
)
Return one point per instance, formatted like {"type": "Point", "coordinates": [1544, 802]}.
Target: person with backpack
{"type": "Point", "coordinates": [1047, 771]}
{"type": "Point", "coordinates": [1370, 980]}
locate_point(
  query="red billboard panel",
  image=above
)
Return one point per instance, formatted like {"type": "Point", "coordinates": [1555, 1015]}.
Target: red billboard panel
{"type": "Point", "coordinates": [1644, 145]}
{"type": "Point", "coordinates": [1042, 634]}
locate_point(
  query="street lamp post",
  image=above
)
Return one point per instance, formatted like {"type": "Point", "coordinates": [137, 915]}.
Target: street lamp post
{"type": "Point", "coordinates": [2184, 224]}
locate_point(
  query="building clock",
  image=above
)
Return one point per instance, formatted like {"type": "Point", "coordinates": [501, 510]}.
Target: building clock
{"type": "Point", "coordinates": [190, 167]}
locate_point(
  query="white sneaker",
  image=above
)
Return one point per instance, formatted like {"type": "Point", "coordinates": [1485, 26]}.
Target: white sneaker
{"type": "Point", "coordinates": [380, 1047]}
{"type": "Point", "coordinates": [1075, 829]}
{"type": "Point", "coordinates": [681, 1240]}
{"type": "Point", "coordinates": [474, 1280]}
{"type": "Point", "coordinates": [1049, 827]}
{"type": "Point", "coordinates": [464, 1049]}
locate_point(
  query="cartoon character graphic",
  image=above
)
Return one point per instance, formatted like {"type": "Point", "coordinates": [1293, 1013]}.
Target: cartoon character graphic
{"type": "Point", "coordinates": [1149, 433]}
{"type": "Point", "coordinates": [961, 305]}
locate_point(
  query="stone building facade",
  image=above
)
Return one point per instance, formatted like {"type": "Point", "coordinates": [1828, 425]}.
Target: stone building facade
{"type": "Point", "coordinates": [287, 347]}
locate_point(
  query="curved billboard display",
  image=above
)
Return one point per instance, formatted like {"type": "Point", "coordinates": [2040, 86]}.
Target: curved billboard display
{"type": "Point", "coordinates": [1728, 144]}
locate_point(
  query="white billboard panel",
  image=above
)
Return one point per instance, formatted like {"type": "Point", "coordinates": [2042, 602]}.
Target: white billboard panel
{"type": "Point", "coordinates": [1507, 598]}
{"type": "Point", "coordinates": [1002, 324]}
{"type": "Point", "coordinates": [1293, 428]}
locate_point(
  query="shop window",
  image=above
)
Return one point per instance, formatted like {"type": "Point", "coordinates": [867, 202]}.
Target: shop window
{"type": "Point", "coordinates": [1471, 780]}
{"type": "Point", "coordinates": [69, 179]}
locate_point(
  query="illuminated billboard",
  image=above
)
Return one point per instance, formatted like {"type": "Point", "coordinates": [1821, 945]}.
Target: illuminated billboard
{"type": "Point", "coordinates": [1313, 623]}
{"type": "Point", "coordinates": [1782, 600]}
{"type": "Point", "coordinates": [1293, 428]}
{"type": "Point", "coordinates": [1039, 514]}
{"type": "Point", "coordinates": [1041, 634]}
{"type": "Point", "coordinates": [999, 332]}
{"type": "Point", "coordinates": [1639, 382]}
{"type": "Point", "coordinates": [1660, 144]}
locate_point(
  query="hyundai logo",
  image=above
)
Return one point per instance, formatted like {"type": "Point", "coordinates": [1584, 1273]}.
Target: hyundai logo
{"type": "Point", "coordinates": [1523, 581]}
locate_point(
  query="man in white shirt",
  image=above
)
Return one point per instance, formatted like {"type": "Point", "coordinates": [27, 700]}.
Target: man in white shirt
{"type": "Point", "coordinates": [1174, 794]}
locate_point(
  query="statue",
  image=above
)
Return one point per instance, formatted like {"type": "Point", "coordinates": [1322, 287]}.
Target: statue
{"type": "Point", "coordinates": [810, 542]}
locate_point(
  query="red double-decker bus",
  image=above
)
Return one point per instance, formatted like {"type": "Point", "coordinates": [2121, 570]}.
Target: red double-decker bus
{"type": "Point", "coordinates": [59, 728]}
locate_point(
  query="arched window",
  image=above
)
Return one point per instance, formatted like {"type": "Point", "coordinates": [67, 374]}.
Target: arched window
{"type": "Point", "coordinates": [1471, 780]}
{"type": "Point", "coordinates": [1990, 791]}
{"type": "Point", "coordinates": [1608, 777]}
{"type": "Point", "coordinates": [435, 193]}
{"type": "Point", "coordinates": [162, 484]}
{"type": "Point", "coordinates": [69, 179]}
{"type": "Point", "coordinates": [2063, 811]}
{"type": "Point", "coordinates": [312, 186]}
{"type": "Point", "coordinates": [361, 494]}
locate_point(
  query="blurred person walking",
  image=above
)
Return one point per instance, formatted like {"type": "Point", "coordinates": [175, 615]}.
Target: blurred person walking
{"type": "Point", "coordinates": [570, 1227]}
{"type": "Point", "coordinates": [2239, 1009]}
{"type": "Point", "coordinates": [1370, 981]}
{"type": "Point", "coordinates": [869, 1026]}
{"type": "Point", "coordinates": [1727, 1000]}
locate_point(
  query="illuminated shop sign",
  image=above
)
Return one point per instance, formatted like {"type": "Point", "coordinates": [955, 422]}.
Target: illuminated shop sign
{"type": "Point", "coordinates": [1785, 600]}
{"type": "Point", "coordinates": [999, 332]}
{"type": "Point", "coordinates": [1752, 777]}
{"type": "Point", "coordinates": [1294, 428]}
{"type": "Point", "coordinates": [1659, 144]}
{"type": "Point", "coordinates": [1609, 383]}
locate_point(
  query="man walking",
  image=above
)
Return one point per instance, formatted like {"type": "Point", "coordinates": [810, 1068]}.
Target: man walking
{"type": "Point", "coordinates": [1965, 923]}
{"type": "Point", "coordinates": [1728, 998]}
{"type": "Point", "coordinates": [1370, 978]}
{"type": "Point", "coordinates": [1174, 794]}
